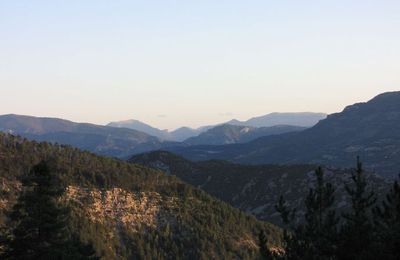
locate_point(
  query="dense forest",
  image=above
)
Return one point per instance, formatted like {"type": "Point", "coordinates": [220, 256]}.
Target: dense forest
{"type": "Point", "coordinates": [370, 229]}
{"type": "Point", "coordinates": [59, 201]}
{"type": "Point", "coordinates": [179, 221]}
{"type": "Point", "coordinates": [255, 189]}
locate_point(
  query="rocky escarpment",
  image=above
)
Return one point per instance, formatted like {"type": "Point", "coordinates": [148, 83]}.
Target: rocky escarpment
{"type": "Point", "coordinates": [119, 208]}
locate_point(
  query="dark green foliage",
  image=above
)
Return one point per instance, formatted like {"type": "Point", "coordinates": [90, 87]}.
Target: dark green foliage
{"type": "Point", "coordinates": [201, 227]}
{"type": "Point", "coordinates": [316, 237]}
{"type": "Point", "coordinates": [387, 220]}
{"type": "Point", "coordinates": [242, 186]}
{"type": "Point", "coordinates": [41, 222]}
{"type": "Point", "coordinates": [287, 215]}
{"type": "Point", "coordinates": [361, 233]}
{"type": "Point", "coordinates": [357, 233]}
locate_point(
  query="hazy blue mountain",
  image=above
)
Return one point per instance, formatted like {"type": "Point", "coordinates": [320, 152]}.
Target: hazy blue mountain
{"type": "Point", "coordinates": [142, 127]}
{"type": "Point", "coordinates": [181, 134]}
{"type": "Point", "coordinates": [177, 135]}
{"type": "Point", "coordinates": [254, 188]}
{"type": "Point", "coordinates": [105, 140]}
{"type": "Point", "coordinates": [230, 134]}
{"type": "Point", "coordinates": [370, 130]}
{"type": "Point", "coordinates": [303, 119]}
{"type": "Point", "coordinates": [184, 133]}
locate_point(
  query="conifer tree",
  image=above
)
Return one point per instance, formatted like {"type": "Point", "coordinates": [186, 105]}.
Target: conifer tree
{"type": "Point", "coordinates": [387, 221]}
{"type": "Point", "coordinates": [317, 237]}
{"type": "Point", "coordinates": [357, 233]}
{"type": "Point", "coordinates": [41, 230]}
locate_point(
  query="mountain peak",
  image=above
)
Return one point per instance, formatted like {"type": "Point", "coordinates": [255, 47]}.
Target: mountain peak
{"type": "Point", "coordinates": [142, 127]}
{"type": "Point", "coordinates": [388, 98]}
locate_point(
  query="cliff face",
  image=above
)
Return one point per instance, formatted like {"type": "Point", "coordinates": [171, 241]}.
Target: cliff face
{"type": "Point", "coordinates": [123, 209]}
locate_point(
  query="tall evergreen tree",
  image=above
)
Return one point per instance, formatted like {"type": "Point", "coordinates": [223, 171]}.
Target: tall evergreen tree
{"type": "Point", "coordinates": [316, 238]}
{"type": "Point", "coordinates": [387, 221]}
{"type": "Point", "coordinates": [41, 222]}
{"type": "Point", "coordinates": [357, 233]}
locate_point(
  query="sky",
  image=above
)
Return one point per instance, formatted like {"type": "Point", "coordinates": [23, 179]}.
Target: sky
{"type": "Point", "coordinates": [186, 62]}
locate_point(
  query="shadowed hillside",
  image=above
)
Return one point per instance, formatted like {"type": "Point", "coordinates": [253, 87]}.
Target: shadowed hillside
{"type": "Point", "coordinates": [254, 189]}
{"type": "Point", "coordinates": [130, 211]}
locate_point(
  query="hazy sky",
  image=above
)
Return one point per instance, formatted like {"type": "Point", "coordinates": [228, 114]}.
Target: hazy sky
{"type": "Point", "coordinates": [173, 63]}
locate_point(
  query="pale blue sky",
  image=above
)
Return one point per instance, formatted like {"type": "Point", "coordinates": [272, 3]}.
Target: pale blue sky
{"type": "Point", "coordinates": [173, 63]}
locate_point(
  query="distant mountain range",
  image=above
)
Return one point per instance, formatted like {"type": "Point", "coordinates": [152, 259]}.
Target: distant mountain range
{"type": "Point", "coordinates": [104, 140]}
{"type": "Point", "coordinates": [121, 141]}
{"type": "Point", "coordinates": [177, 135]}
{"type": "Point", "coordinates": [255, 189]}
{"type": "Point", "coordinates": [183, 133]}
{"type": "Point", "coordinates": [370, 130]}
{"type": "Point", "coordinates": [142, 127]}
{"type": "Point", "coordinates": [302, 119]}
{"type": "Point", "coordinates": [231, 134]}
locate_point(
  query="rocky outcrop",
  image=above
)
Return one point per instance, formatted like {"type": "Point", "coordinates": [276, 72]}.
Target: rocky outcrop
{"type": "Point", "coordinates": [118, 207]}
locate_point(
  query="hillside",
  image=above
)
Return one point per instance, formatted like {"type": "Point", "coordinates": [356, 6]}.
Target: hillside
{"type": "Point", "coordinates": [230, 134]}
{"type": "Point", "coordinates": [133, 212]}
{"type": "Point", "coordinates": [254, 189]}
{"type": "Point", "coordinates": [370, 130]}
{"type": "Point", "coordinates": [103, 140]}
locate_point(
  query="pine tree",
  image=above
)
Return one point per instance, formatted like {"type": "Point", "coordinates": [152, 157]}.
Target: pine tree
{"type": "Point", "coordinates": [41, 230]}
{"type": "Point", "coordinates": [317, 237]}
{"type": "Point", "coordinates": [357, 233]}
{"type": "Point", "coordinates": [387, 220]}
{"type": "Point", "coordinates": [321, 219]}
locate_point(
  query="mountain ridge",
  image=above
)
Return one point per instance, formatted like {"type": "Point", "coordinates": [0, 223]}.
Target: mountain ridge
{"type": "Point", "coordinates": [105, 140]}
{"type": "Point", "coordinates": [301, 119]}
{"type": "Point", "coordinates": [230, 134]}
{"type": "Point", "coordinates": [369, 129]}
{"type": "Point", "coordinates": [142, 127]}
